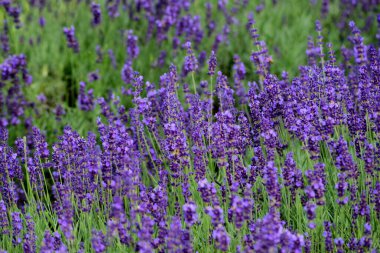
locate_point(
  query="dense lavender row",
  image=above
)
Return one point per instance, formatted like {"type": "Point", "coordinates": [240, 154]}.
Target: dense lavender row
{"type": "Point", "coordinates": [213, 162]}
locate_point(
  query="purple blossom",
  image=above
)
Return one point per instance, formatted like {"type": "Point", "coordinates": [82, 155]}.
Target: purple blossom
{"type": "Point", "coordinates": [98, 241]}
{"type": "Point", "coordinates": [190, 213]}
{"type": "Point", "coordinates": [71, 39]}
{"type": "Point", "coordinates": [30, 237]}
{"type": "Point", "coordinates": [212, 63]}
{"type": "Point", "coordinates": [96, 13]}
{"type": "Point", "coordinates": [221, 238]}
{"type": "Point", "coordinates": [85, 100]}
{"type": "Point", "coordinates": [4, 224]}
{"type": "Point", "coordinates": [17, 228]}
{"type": "Point", "coordinates": [133, 49]}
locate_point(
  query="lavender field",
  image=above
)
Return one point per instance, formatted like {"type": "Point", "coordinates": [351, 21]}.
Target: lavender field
{"type": "Point", "coordinates": [189, 126]}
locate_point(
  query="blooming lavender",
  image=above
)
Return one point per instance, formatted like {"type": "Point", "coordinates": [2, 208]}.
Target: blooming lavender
{"type": "Point", "coordinates": [98, 241]}
{"type": "Point", "coordinates": [190, 213]}
{"type": "Point", "coordinates": [190, 161]}
{"type": "Point", "coordinates": [191, 62]}
{"type": "Point", "coordinates": [292, 175]}
{"type": "Point", "coordinates": [96, 13]}
{"type": "Point", "coordinates": [4, 225]}
{"type": "Point", "coordinates": [132, 47]}
{"type": "Point", "coordinates": [17, 228]}
{"type": "Point", "coordinates": [221, 238]}
{"type": "Point", "coordinates": [71, 39]}
{"type": "Point", "coordinates": [85, 100]}
{"type": "Point", "coordinates": [30, 237]}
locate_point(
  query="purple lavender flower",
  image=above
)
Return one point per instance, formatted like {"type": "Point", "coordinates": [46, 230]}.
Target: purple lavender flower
{"type": "Point", "coordinates": [30, 237]}
{"type": "Point", "coordinates": [132, 47]}
{"type": "Point", "coordinates": [65, 217]}
{"type": "Point", "coordinates": [52, 243]}
{"type": "Point", "coordinates": [98, 241]}
{"type": "Point", "coordinates": [113, 8]}
{"type": "Point", "coordinates": [93, 76]}
{"type": "Point", "coordinates": [328, 237]}
{"type": "Point", "coordinates": [241, 208]}
{"type": "Point", "coordinates": [59, 112]}
{"type": "Point", "coordinates": [317, 183]}
{"type": "Point", "coordinates": [190, 213]}
{"type": "Point", "coordinates": [341, 187]}
{"type": "Point", "coordinates": [47, 243]}
{"type": "Point", "coordinates": [127, 72]}
{"type": "Point", "coordinates": [375, 198]}
{"type": "Point", "coordinates": [42, 21]}
{"type": "Point", "coordinates": [85, 101]}
{"type": "Point", "coordinates": [272, 185]}
{"type": "Point", "coordinates": [40, 144]}
{"type": "Point", "coordinates": [310, 210]}
{"type": "Point", "coordinates": [71, 39]}
{"type": "Point", "coordinates": [221, 238]}
{"type": "Point", "coordinates": [191, 62]}
{"type": "Point", "coordinates": [270, 235]}
{"type": "Point", "coordinates": [339, 242]}
{"type": "Point", "coordinates": [212, 64]}
{"type": "Point", "coordinates": [145, 234]}
{"type": "Point", "coordinates": [359, 47]}
{"type": "Point", "coordinates": [17, 228]}
{"type": "Point", "coordinates": [175, 240]}
{"type": "Point", "coordinates": [4, 38]}
{"type": "Point", "coordinates": [4, 223]}
{"type": "Point", "coordinates": [344, 161]}
{"type": "Point", "coordinates": [15, 12]}
{"type": "Point", "coordinates": [207, 191]}
{"type": "Point", "coordinates": [292, 175]}
{"type": "Point", "coordinates": [96, 13]}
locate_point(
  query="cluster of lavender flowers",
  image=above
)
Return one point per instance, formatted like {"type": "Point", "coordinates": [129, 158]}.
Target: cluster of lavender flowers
{"type": "Point", "coordinates": [266, 165]}
{"type": "Point", "coordinates": [14, 78]}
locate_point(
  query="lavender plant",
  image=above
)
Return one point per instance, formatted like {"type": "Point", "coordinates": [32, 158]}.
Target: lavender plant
{"type": "Point", "coordinates": [199, 142]}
